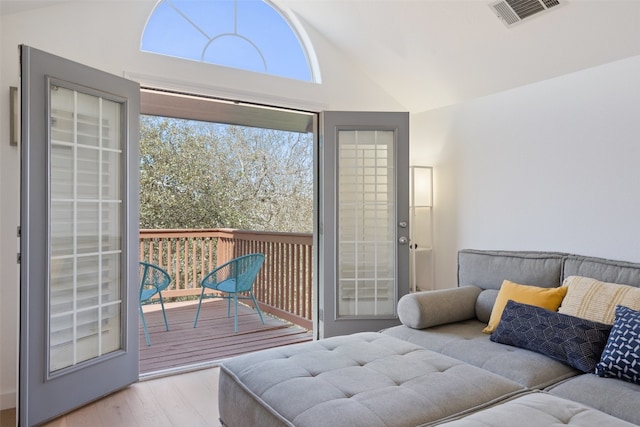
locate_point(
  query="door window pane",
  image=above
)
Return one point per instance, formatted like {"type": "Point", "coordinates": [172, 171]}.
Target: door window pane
{"type": "Point", "coordinates": [88, 173]}
{"type": "Point", "coordinates": [84, 227]}
{"type": "Point", "coordinates": [366, 223]}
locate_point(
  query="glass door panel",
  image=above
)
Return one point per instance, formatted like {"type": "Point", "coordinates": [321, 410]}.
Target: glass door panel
{"type": "Point", "coordinates": [366, 223]}
{"type": "Point", "coordinates": [85, 248]}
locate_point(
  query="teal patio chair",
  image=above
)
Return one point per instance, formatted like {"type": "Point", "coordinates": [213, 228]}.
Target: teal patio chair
{"type": "Point", "coordinates": [230, 280]}
{"type": "Point", "coordinates": [153, 280]}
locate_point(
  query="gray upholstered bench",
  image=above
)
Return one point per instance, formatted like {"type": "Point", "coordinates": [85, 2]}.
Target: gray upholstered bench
{"type": "Point", "coordinates": [538, 410]}
{"type": "Point", "coordinates": [366, 379]}
{"type": "Point", "coordinates": [610, 395]}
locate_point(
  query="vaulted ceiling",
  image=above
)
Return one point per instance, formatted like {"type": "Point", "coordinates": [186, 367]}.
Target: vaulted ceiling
{"type": "Point", "coordinates": [432, 53]}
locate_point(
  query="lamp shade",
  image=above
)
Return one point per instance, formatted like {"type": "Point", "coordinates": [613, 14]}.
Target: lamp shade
{"type": "Point", "coordinates": [421, 186]}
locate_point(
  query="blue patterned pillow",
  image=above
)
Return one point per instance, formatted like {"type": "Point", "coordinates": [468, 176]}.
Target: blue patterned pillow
{"type": "Point", "coordinates": [572, 340]}
{"type": "Point", "coordinates": [621, 356]}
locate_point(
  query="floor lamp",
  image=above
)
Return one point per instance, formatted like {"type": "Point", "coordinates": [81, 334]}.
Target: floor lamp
{"type": "Point", "coordinates": [420, 226]}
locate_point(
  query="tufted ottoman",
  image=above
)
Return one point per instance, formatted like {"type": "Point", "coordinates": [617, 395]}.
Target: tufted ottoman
{"type": "Point", "coordinates": [366, 379]}
{"type": "Point", "coordinates": [538, 410]}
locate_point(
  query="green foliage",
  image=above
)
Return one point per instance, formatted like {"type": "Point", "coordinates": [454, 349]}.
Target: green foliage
{"type": "Point", "coordinates": [205, 175]}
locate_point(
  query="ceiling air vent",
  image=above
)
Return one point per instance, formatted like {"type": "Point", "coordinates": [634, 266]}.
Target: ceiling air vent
{"type": "Point", "coordinates": [512, 12]}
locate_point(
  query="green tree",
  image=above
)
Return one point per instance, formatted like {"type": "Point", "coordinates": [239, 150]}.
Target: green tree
{"type": "Point", "coordinates": [206, 175]}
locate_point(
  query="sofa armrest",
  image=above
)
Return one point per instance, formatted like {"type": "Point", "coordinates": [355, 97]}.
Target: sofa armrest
{"type": "Point", "coordinates": [425, 309]}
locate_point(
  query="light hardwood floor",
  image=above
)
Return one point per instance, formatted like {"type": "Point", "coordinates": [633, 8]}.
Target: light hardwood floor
{"type": "Point", "coordinates": [189, 399]}
{"type": "Point", "coordinates": [8, 417]}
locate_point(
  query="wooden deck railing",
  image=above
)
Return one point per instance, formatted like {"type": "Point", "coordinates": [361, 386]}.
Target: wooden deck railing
{"type": "Point", "coordinates": [284, 284]}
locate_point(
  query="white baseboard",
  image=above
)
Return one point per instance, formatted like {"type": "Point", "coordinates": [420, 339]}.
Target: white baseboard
{"type": "Point", "coordinates": [7, 401]}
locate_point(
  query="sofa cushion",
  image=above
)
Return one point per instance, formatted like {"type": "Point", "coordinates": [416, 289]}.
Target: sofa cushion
{"type": "Point", "coordinates": [484, 304]}
{"type": "Point", "coordinates": [466, 342]}
{"type": "Point", "coordinates": [487, 269]}
{"type": "Point", "coordinates": [571, 340]}
{"type": "Point", "coordinates": [596, 300]}
{"type": "Point", "coordinates": [549, 298]}
{"type": "Point", "coordinates": [605, 270]}
{"type": "Point", "coordinates": [424, 309]}
{"type": "Point", "coordinates": [610, 395]}
{"type": "Point", "coordinates": [537, 410]}
{"type": "Point", "coordinates": [621, 356]}
{"type": "Point", "coordinates": [366, 379]}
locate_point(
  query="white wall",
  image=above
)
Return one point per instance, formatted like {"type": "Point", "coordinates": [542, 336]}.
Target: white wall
{"type": "Point", "coordinates": [9, 170]}
{"type": "Point", "coordinates": [552, 166]}
{"type": "Point", "coordinates": [106, 35]}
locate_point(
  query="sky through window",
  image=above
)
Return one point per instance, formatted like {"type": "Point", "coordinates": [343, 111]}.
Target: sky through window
{"type": "Point", "coordinates": [246, 34]}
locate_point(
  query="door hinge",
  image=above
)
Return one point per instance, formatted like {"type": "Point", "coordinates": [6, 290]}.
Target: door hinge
{"type": "Point", "coordinates": [321, 315]}
{"type": "Point", "coordinates": [19, 233]}
{"type": "Point", "coordinates": [18, 258]}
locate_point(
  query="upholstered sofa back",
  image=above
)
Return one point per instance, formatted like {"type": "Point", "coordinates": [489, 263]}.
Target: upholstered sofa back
{"type": "Point", "coordinates": [605, 270]}
{"type": "Point", "coordinates": [488, 269]}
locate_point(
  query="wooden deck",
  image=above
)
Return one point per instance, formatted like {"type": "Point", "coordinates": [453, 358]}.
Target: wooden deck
{"type": "Point", "coordinates": [213, 339]}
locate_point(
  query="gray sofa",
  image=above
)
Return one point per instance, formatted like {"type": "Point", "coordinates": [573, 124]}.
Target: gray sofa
{"type": "Point", "coordinates": [437, 367]}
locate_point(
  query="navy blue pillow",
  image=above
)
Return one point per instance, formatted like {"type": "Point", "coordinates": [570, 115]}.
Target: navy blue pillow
{"type": "Point", "coordinates": [572, 340]}
{"type": "Point", "coordinates": [621, 356]}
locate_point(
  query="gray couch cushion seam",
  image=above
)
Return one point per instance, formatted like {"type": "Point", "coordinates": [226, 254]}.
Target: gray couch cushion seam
{"type": "Point", "coordinates": [497, 401]}
{"type": "Point", "coordinates": [516, 404]}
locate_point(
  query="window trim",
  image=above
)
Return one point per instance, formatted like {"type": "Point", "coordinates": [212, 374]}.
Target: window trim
{"type": "Point", "coordinates": [205, 108]}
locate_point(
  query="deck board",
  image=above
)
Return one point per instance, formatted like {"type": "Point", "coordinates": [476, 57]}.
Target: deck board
{"type": "Point", "coordinates": [213, 339]}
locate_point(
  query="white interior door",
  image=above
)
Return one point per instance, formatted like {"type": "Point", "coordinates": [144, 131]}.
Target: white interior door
{"type": "Point", "coordinates": [79, 222]}
{"type": "Point", "coordinates": [364, 218]}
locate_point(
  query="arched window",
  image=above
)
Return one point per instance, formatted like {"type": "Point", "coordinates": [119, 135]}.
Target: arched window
{"type": "Point", "coordinates": [251, 35]}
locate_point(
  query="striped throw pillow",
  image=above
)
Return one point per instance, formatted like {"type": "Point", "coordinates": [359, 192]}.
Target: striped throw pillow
{"type": "Point", "coordinates": [595, 300]}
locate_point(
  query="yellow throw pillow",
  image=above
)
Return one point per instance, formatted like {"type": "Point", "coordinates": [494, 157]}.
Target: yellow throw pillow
{"type": "Point", "coordinates": [549, 298]}
{"type": "Point", "coordinates": [594, 300]}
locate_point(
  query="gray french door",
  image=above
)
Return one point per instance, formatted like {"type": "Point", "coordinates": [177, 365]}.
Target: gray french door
{"type": "Point", "coordinates": [363, 220]}
{"type": "Point", "coordinates": [79, 234]}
